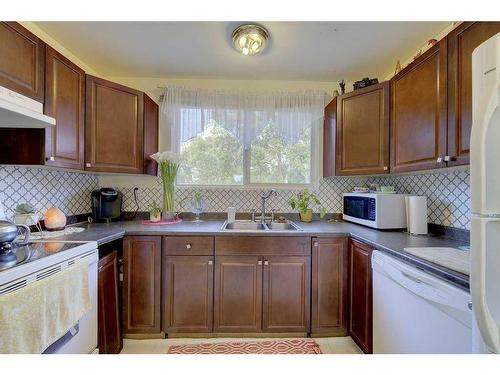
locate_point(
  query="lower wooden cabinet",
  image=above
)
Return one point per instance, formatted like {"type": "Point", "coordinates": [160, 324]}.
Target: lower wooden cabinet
{"type": "Point", "coordinates": [361, 311]}
{"type": "Point", "coordinates": [238, 294]}
{"type": "Point", "coordinates": [286, 294]}
{"type": "Point", "coordinates": [108, 315]}
{"type": "Point", "coordinates": [330, 286]}
{"type": "Point", "coordinates": [188, 294]}
{"type": "Point", "coordinates": [141, 284]}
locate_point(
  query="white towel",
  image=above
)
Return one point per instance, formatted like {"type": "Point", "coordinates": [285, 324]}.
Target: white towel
{"type": "Point", "coordinates": [33, 317]}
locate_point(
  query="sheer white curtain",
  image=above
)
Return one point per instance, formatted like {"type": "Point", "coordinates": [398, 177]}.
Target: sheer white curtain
{"type": "Point", "coordinates": [244, 113]}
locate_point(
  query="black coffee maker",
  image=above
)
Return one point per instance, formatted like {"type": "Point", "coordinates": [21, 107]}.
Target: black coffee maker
{"type": "Point", "coordinates": [106, 205]}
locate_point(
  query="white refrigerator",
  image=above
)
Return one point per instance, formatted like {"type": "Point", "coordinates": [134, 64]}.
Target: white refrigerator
{"type": "Point", "coordinates": [485, 196]}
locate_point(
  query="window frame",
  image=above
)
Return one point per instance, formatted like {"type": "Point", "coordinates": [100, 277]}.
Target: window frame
{"type": "Point", "coordinates": [315, 171]}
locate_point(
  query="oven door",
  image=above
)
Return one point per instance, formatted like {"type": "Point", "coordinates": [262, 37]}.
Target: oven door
{"type": "Point", "coordinates": [82, 337]}
{"type": "Point", "coordinates": [362, 208]}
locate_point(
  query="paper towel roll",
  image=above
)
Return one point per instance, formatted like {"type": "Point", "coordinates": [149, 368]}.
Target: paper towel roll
{"type": "Point", "coordinates": [416, 214]}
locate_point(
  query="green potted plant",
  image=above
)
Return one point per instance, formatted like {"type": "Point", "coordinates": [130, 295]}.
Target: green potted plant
{"type": "Point", "coordinates": [302, 202]}
{"type": "Point", "coordinates": [154, 212]}
{"type": "Point", "coordinates": [169, 164]}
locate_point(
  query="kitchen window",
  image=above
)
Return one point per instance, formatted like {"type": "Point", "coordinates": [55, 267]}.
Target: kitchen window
{"type": "Point", "coordinates": [244, 138]}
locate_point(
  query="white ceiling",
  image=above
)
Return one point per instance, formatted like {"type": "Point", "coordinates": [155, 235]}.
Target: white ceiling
{"type": "Point", "coordinates": [309, 51]}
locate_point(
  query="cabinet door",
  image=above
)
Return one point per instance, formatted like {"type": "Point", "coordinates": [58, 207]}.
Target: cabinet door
{"type": "Point", "coordinates": [114, 127]}
{"type": "Point", "coordinates": [362, 145]}
{"type": "Point", "coordinates": [188, 285]}
{"type": "Point", "coordinates": [22, 61]}
{"type": "Point", "coordinates": [238, 294]}
{"type": "Point", "coordinates": [330, 286]}
{"type": "Point", "coordinates": [141, 284]}
{"type": "Point", "coordinates": [418, 124]}
{"type": "Point", "coordinates": [329, 129]}
{"type": "Point", "coordinates": [65, 101]}
{"type": "Point", "coordinates": [286, 294]}
{"type": "Point", "coordinates": [461, 43]}
{"type": "Point", "coordinates": [361, 316]}
{"type": "Point", "coordinates": [151, 129]}
{"type": "Point", "coordinates": [109, 335]}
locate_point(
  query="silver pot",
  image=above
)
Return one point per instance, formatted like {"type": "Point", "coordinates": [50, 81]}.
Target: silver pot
{"type": "Point", "coordinates": [9, 231]}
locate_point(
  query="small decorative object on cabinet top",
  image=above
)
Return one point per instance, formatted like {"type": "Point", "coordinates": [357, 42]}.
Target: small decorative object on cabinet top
{"type": "Point", "coordinates": [342, 87]}
{"type": "Point", "coordinates": [397, 69]}
{"type": "Point", "coordinates": [336, 93]}
{"type": "Point", "coordinates": [302, 202]}
{"type": "Point", "coordinates": [365, 82]}
{"type": "Point", "coordinates": [432, 42]}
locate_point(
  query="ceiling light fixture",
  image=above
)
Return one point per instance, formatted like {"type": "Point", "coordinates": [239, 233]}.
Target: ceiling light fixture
{"type": "Point", "coordinates": [250, 39]}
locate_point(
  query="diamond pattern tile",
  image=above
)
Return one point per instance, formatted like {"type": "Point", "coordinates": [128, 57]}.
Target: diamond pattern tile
{"type": "Point", "coordinates": [448, 193]}
{"type": "Point", "coordinates": [44, 188]}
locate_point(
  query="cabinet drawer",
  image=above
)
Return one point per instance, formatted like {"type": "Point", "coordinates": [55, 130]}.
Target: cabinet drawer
{"type": "Point", "coordinates": [186, 245]}
{"type": "Point", "coordinates": [254, 245]}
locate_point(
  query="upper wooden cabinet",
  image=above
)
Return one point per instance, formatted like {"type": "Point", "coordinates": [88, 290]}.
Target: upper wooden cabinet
{"type": "Point", "coordinates": [329, 129]}
{"type": "Point", "coordinates": [65, 101]}
{"type": "Point", "coordinates": [461, 43]}
{"type": "Point", "coordinates": [329, 286]}
{"type": "Point", "coordinates": [418, 113]}
{"type": "Point", "coordinates": [114, 127]}
{"type": "Point", "coordinates": [22, 61]}
{"type": "Point", "coordinates": [362, 135]}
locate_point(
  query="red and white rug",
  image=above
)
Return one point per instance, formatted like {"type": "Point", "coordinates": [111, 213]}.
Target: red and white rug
{"type": "Point", "coordinates": [294, 346]}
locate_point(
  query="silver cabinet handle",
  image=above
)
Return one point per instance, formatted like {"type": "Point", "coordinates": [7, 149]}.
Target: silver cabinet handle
{"type": "Point", "coordinates": [210, 262]}
{"type": "Point", "coordinates": [447, 158]}
{"type": "Point", "coordinates": [188, 246]}
{"type": "Point", "coordinates": [266, 263]}
{"type": "Point", "coordinates": [88, 165]}
{"type": "Point", "coordinates": [386, 168]}
{"type": "Point", "coordinates": [439, 160]}
{"type": "Point", "coordinates": [315, 244]}
{"type": "Point", "coordinates": [259, 263]}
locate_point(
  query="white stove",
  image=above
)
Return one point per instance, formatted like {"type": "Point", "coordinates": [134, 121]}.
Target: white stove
{"type": "Point", "coordinates": [41, 259]}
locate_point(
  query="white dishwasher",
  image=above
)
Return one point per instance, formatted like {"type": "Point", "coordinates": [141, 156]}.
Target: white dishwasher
{"type": "Point", "coordinates": [414, 312]}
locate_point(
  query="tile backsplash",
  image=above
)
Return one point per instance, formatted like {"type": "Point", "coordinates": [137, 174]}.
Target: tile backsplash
{"type": "Point", "coordinates": [44, 188]}
{"type": "Point", "coordinates": [448, 192]}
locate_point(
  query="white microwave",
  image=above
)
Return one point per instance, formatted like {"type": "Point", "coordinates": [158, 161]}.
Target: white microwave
{"type": "Point", "coordinates": [376, 210]}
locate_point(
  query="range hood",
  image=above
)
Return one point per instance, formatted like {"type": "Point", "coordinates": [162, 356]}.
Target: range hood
{"type": "Point", "coordinates": [19, 111]}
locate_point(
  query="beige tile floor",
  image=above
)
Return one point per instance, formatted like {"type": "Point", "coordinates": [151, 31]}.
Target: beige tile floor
{"type": "Point", "coordinates": [328, 345]}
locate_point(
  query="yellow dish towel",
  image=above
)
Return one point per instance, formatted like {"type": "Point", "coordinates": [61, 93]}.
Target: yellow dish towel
{"type": "Point", "coordinates": [33, 317]}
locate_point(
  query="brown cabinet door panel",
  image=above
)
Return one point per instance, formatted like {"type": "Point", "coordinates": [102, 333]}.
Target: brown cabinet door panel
{"type": "Point", "coordinates": [151, 134]}
{"type": "Point", "coordinates": [22, 61]}
{"type": "Point", "coordinates": [361, 310]}
{"type": "Point", "coordinates": [188, 300]}
{"type": "Point", "coordinates": [109, 335]}
{"type": "Point", "coordinates": [238, 294]}
{"type": "Point", "coordinates": [114, 127]}
{"type": "Point", "coordinates": [329, 129]}
{"type": "Point", "coordinates": [362, 144]}
{"type": "Point", "coordinates": [286, 294]}
{"type": "Point", "coordinates": [141, 284]}
{"type": "Point", "coordinates": [461, 43]}
{"type": "Point", "coordinates": [419, 110]}
{"type": "Point", "coordinates": [65, 101]}
{"type": "Point", "coordinates": [329, 286]}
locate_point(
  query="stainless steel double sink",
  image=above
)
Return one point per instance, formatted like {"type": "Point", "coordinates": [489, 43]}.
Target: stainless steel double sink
{"type": "Point", "coordinates": [255, 226]}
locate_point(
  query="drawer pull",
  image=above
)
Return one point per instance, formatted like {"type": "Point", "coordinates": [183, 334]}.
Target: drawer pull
{"type": "Point", "coordinates": [316, 244]}
{"type": "Point", "coordinates": [210, 262]}
{"type": "Point", "coordinates": [266, 263]}
{"type": "Point", "coordinates": [188, 246]}
{"type": "Point", "coordinates": [259, 263]}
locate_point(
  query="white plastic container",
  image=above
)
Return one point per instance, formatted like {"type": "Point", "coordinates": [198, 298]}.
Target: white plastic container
{"type": "Point", "coordinates": [231, 214]}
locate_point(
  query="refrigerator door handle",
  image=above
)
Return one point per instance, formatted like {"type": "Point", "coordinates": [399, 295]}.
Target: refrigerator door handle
{"type": "Point", "coordinates": [481, 229]}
